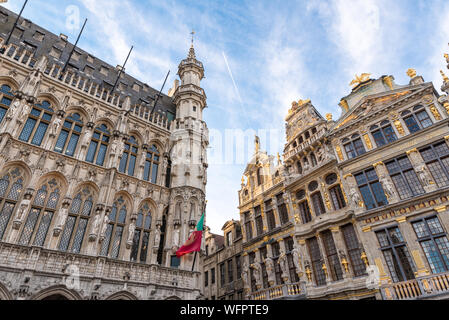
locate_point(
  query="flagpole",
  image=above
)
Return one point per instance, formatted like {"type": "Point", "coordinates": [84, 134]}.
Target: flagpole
{"type": "Point", "coordinates": [194, 257]}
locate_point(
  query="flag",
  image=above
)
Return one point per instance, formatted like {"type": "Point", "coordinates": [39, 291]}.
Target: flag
{"type": "Point", "coordinates": [194, 242]}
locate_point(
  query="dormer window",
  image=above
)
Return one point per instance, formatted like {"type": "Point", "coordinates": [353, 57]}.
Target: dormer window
{"type": "Point", "coordinates": [88, 70]}
{"type": "Point", "coordinates": [56, 53]}
{"type": "Point", "coordinates": [26, 23]}
{"type": "Point", "coordinates": [39, 36]}
{"type": "Point", "coordinates": [3, 17]}
{"type": "Point", "coordinates": [104, 70]}
{"type": "Point", "coordinates": [90, 59]}
{"type": "Point", "coordinates": [136, 87]}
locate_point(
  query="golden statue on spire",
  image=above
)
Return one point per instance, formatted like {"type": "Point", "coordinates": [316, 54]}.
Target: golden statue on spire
{"type": "Point", "coordinates": [445, 78]}
{"type": "Point", "coordinates": [411, 73]}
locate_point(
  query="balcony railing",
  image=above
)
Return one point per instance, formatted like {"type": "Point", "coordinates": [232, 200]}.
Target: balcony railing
{"type": "Point", "coordinates": [288, 290]}
{"type": "Point", "coordinates": [421, 288]}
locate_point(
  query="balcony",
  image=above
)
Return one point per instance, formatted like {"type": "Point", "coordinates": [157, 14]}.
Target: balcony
{"type": "Point", "coordinates": [435, 286]}
{"type": "Point", "coordinates": [290, 291]}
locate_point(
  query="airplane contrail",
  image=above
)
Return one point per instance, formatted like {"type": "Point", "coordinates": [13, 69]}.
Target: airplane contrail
{"type": "Point", "coordinates": [232, 78]}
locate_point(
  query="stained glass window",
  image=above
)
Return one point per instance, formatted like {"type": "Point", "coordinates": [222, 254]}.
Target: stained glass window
{"type": "Point", "coordinates": [98, 145]}
{"type": "Point", "coordinates": [129, 156]}
{"type": "Point", "coordinates": [11, 187]}
{"type": "Point", "coordinates": [69, 135]}
{"type": "Point", "coordinates": [37, 123]}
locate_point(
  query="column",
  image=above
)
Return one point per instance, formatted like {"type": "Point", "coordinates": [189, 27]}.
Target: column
{"type": "Point", "coordinates": [342, 252]}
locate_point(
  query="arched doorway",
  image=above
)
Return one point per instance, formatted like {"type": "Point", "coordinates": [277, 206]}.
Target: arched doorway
{"type": "Point", "coordinates": [55, 297]}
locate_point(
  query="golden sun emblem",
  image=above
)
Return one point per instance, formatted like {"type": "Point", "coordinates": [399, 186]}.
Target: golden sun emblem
{"type": "Point", "coordinates": [359, 79]}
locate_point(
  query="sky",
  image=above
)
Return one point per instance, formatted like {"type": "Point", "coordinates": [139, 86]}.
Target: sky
{"type": "Point", "coordinates": [258, 56]}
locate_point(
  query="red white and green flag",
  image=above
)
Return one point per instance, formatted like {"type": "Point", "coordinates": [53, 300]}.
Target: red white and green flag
{"type": "Point", "coordinates": [194, 242]}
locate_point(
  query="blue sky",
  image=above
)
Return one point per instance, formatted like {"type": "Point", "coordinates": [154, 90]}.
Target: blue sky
{"type": "Point", "coordinates": [276, 51]}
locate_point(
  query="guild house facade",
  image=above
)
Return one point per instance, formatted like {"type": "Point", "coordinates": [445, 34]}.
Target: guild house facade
{"type": "Point", "coordinates": [99, 186]}
{"type": "Point", "coordinates": [359, 207]}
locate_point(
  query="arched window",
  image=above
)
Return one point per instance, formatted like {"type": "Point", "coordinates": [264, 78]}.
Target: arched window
{"type": "Point", "coordinates": [353, 146]}
{"type": "Point", "coordinates": [42, 211]}
{"type": "Point", "coordinates": [318, 204]}
{"type": "Point", "coordinates": [77, 220]}
{"type": "Point", "coordinates": [142, 234]}
{"type": "Point", "coordinates": [6, 97]}
{"type": "Point", "coordinates": [313, 159]}
{"type": "Point", "coordinates": [313, 185]}
{"type": "Point", "coordinates": [259, 176]}
{"type": "Point", "coordinates": [114, 230]}
{"type": "Point", "coordinates": [383, 133]}
{"type": "Point", "coordinates": [129, 156]}
{"type": "Point", "coordinates": [151, 164]}
{"type": "Point", "coordinates": [98, 145]}
{"type": "Point", "coordinates": [416, 119]}
{"type": "Point", "coordinates": [11, 187]}
{"type": "Point", "coordinates": [336, 194]}
{"type": "Point", "coordinates": [307, 135]}
{"type": "Point", "coordinates": [37, 123]}
{"type": "Point", "coordinates": [69, 135]}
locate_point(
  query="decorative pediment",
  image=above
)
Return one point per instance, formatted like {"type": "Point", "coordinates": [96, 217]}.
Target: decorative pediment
{"type": "Point", "coordinates": [301, 116]}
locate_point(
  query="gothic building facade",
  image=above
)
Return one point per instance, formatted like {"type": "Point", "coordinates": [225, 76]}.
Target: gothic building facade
{"type": "Point", "coordinates": [359, 207]}
{"type": "Point", "coordinates": [99, 185]}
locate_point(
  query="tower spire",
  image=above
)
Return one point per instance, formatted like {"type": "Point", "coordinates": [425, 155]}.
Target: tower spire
{"type": "Point", "coordinates": [192, 49]}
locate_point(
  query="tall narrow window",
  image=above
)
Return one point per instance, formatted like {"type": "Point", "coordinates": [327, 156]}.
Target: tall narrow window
{"type": "Point", "coordinates": [259, 176]}
{"type": "Point", "coordinates": [318, 204]}
{"type": "Point", "coordinates": [11, 187]}
{"type": "Point", "coordinates": [317, 261]}
{"type": "Point", "coordinates": [396, 254]}
{"type": "Point", "coordinates": [434, 243]}
{"type": "Point", "coordinates": [371, 189]}
{"type": "Point", "coordinates": [338, 200]}
{"type": "Point", "coordinates": [383, 133]}
{"type": "Point", "coordinates": [230, 271]}
{"type": "Point", "coordinates": [114, 231]}
{"type": "Point", "coordinates": [276, 250]}
{"type": "Point", "coordinates": [6, 97]}
{"type": "Point", "coordinates": [77, 220]}
{"type": "Point", "coordinates": [313, 159]}
{"type": "Point", "coordinates": [354, 251]}
{"type": "Point", "coordinates": [129, 156]}
{"type": "Point", "coordinates": [37, 123]}
{"type": "Point", "coordinates": [222, 275]}
{"type": "Point", "coordinates": [263, 256]}
{"type": "Point", "coordinates": [152, 165]}
{"type": "Point", "coordinates": [282, 209]}
{"type": "Point", "coordinates": [436, 157]}
{"type": "Point", "coordinates": [248, 226]}
{"type": "Point", "coordinates": [404, 177]}
{"type": "Point", "coordinates": [252, 258]}
{"type": "Point", "coordinates": [304, 210]}
{"type": "Point", "coordinates": [69, 135]}
{"type": "Point", "coordinates": [332, 256]}
{"type": "Point", "coordinates": [353, 146]}
{"type": "Point", "coordinates": [42, 211]}
{"type": "Point", "coordinates": [98, 145]}
{"type": "Point", "coordinates": [139, 248]}
{"type": "Point", "coordinates": [259, 222]}
{"type": "Point", "coordinates": [416, 119]}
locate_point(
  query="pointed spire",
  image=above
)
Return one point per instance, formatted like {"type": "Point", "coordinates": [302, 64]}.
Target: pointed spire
{"type": "Point", "coordinates": [192, 49]}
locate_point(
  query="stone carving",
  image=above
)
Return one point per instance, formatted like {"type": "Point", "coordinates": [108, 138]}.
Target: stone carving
{"type": "Point", "coordinates": [55, 126]}
{"type": "Point", "coordinates": [21, 212]}
{"type": "Point", "coordinates": [257, 273]}
{"type": "Point", "coordinates": [41, 63]}
{"type": "Point", "coordinates": [157, 236]}
{"type": "Point", "coordinates": [297, 259]}
{"type": "Point", "coordinates": [245, 274]}
{"type": "Point", "coordinates": [269, 265]}
{"type": "Point", "coordinates": [24, 114]}
{"type": "Point", "coordinates": [30, 85]}
{"type": "Point", "coordinates": [283, 263]}
{"type": "Point", "coordinates": [12, 111]}
{"type": "Point", "coordinates": [86, 137]}
{"type": "Point", "coordinates": [104, 227]}
{"type": "Point", "coordinates": [424, 175]}
{"type": "Point", "coordinates": [62, 217]}
{"type": "Point", "coordinates": [387, 186]}
{"type": "Point", "coordinates": [95, 226]}
{"type": "Point", "coordinates": [355, 196]}
{"type": "Point", "coordinates": [131, 230]}
{"type": "Point", "coordinates": [176, 237]}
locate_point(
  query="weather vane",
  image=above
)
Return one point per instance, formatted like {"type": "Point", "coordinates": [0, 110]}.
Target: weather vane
{"type": "Point", "coordinates": [192, 33]}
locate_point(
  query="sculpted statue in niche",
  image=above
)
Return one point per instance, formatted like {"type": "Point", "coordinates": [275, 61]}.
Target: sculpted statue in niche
{"type": "Point", "coordinates": [269, 265]}
{"type": "Point", "coordinates": [131, 230]}
{"type": "Point", "coordinates": [157, 236]}
{"type": "Point", "coordinates": [24, 114]}
{"type": "Point", "coordinates": [12, 111]}
{"type": "Point", "coordinates": [245, 274]}
{"type": "Point", "coordinates": [30, 85]}
{"type": "Point", "coordinates": [62, 217]}
{"type": "Point", "coordinates": [55, 126]}
{"type": "Point", "coordinates": [86, 137]}
{"type": "Point", "coordinates": [283, 263]}
{"type": "Point", "coordinates": [387, 186]}
{"type": "Point", "coordinates": [297, 259]}
{"type": "Point", "coordinates": [176, 232]}
{"type": "Point", "coordinates": [41, 63]}
{"type": "Point", "coordinates": [96, 225]}
{"type": "Point", "coordinates": [424, 175]}
{"type": "Point", "coordinates": [257, 273]}
{"type": "Point", "coordinates": [355, 197]}
{"type": "Point", "coordinates": [23, 209]}
{"type": "Point", "coordinates": [104, 227]}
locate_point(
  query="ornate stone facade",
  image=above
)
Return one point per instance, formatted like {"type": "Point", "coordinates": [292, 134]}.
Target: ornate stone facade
{"type": "Point", "coordinates": [358, 209]}
{"type": "Point", "coordinates": [96, 184]}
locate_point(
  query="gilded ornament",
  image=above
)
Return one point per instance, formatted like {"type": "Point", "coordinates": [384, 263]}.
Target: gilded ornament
{"type": "Point", "coordinates": [435, 112]}
{"type": "Point", "coordinates": [309, 273]}
{"type": "Point", "coordinates": [399, 127]}
{"type": "Point", "coordinates": [344, 104]}
{"type": "Point", "coordinates": [367, 141]}
{"type": "Point", "coordinates": [445, 78]}
{"type": "Point", "coordinates": [364, 258]}
{"type": "Point", "coordinates": [359, 79]}
{"type": "Point", "coordinates": [339, 153]}
{"type": "Point", "coordinates": [411, 73]}
{"type": "Point", "coordinates": [329, 116]}
{"type": "Point", "coordinates": [389, 82]}
{"type": "Point", "coordinates": [345, 264]}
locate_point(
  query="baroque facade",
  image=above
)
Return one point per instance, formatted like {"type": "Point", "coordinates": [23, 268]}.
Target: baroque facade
{"type": "Point", "coordinates": [358, 209]}
{"type": "Point", "coordinates": [98, 187]}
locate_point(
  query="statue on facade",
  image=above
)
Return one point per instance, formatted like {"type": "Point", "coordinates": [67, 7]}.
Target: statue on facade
{"type": "Point", "coordinates": [387, 186]}
{"type": "Point", "coordinates": [157, 236]}
{"type": "Point", "coordinates": [355, 197]}
{"type": "Point", "coordinates": [21, 212]}
{"type": "Point", "coordinates": [176, 237]}
{"type": "Point", "coordinates": [131, 230]}
{"type": "Point", "coordinates": [257, 273]}
{"type": "Point", "coordinates": [13, 109]}
{"type": "Point", "coordinates": [283, 263]}
{"type": "Point", "coordinates": [143, 158]}
{"type": "Point", "coordinates": [41, 64]}
{"type": "Point", "coordinates": [245, 274]}
{"type": "Point", "coordinates": [62, 217]}
{"type": "Point", "coordinates": [86, 137]}
{"type": "Point", "coordinates": [104, 227]}
{"type": "Point", "coordinates": [95, 226]}
{"type": "Point", "coordinates": [424, 175]}
{"type": "Point", "coordinates": [30, 85]}
{"type": "Point", "coordinates": [269, 265]}
{"type": "Point", "coordinates": [24, 113]}
{"type": "Point", "coordinates": [296, 255]}
{"type": "Point", "coordinates": [55, 126]}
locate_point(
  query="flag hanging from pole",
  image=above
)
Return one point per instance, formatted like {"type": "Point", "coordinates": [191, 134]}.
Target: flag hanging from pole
{"type": "Point", "coordinates": [194, 242]}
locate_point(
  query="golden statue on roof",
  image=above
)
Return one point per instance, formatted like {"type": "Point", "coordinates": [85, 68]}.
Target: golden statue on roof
{"type": "Point", "coordinates": [411, 73]}
{"type": "Point", "coordinates": [359, 79]}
